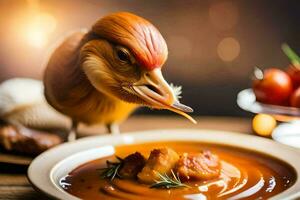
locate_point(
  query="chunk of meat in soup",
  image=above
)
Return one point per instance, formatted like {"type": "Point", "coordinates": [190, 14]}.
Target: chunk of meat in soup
{"type": "Point", "coordinates": [160, 160]}
{"type": "Point", "coordinates": [132, 165]}
{"type": "Point", "coordinates": [198, 166]}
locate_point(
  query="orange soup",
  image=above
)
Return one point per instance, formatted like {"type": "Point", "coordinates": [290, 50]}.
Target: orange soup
{"type": "Point", "coordinates": [244, 175]}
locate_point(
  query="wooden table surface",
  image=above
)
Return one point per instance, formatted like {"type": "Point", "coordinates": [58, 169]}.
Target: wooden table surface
{"type": "Point", "coordinates": [13, 181]}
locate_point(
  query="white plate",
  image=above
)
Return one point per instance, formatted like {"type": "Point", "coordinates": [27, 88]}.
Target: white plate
{"type": "Point", "coordinates": [48, 168]}
{"type": "Point", "coordinates": [288, 133]}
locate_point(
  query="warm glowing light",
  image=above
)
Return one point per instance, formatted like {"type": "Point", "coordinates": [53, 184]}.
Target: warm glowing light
{"type": "Point", "coordinates": [39, 29]}
{"type": "Point", "coordinates": [223, 15]}
{"type": "Point", "coordinates": [36, 37]}
{"type": "Point", "coordinates": [46, 22]}
{"type": "Point", "coordinates": [228, 49]}
{"type": "Point", "coordinates": [263, 124]}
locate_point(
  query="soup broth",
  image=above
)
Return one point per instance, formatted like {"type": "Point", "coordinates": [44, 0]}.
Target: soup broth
{"type": "Point", "coordinates": [244, 175]}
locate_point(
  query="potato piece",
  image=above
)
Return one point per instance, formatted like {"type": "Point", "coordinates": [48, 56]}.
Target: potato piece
{"type": "Point", "coordinates": [132, 165]}
{"type": "Point", "coordinates": [160, 160]}
{"type": "Point", "coordinates": [198, 166]}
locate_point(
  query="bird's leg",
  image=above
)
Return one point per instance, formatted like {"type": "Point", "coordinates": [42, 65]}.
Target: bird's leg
{"type": "Point", "coordinates": [73, 132]}
{"type": "Point", "coordinates": [113, 128]}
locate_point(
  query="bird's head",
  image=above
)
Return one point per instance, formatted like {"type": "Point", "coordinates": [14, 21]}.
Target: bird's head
{"type": "Point", "coordinates": [122, 56]}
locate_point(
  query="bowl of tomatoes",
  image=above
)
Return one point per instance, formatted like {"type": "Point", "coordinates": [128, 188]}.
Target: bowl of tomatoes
{"type": "Point", "coordinates": [275, 91]}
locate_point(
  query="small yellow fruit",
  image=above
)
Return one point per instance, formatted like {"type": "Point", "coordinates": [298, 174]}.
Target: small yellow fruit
{"type": "Point", "coordinates": [263, 124]}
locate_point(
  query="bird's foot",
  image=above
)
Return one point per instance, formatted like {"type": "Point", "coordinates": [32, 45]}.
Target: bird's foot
{"type": "Point", "coordinates": [73, 132]}
{"type": "Point", "coordinates": [72, 136]}
{"type": "Point", "coordinates": [113, 129]}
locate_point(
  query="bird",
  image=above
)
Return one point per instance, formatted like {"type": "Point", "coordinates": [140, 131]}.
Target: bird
{"type": "Point", "coordinates": [102, 75]}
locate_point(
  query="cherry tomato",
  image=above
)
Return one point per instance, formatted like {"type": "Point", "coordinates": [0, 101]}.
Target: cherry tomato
{"type": "Point", "coordinates": [295, 98]}
{"type": "Point", "coordinates": [294, 73]}
{"type": "Point", "coordinates": [273, 87]}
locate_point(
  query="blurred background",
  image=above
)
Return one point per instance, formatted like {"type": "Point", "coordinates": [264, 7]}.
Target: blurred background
{"type": "Point", "coordinates": [213, 44]}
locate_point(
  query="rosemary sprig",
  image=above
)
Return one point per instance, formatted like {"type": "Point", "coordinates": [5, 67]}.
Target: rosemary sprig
{"type": "Point", "coordinates": [167, 182]}
{"type": "Point", "coordinates": [112, 169]}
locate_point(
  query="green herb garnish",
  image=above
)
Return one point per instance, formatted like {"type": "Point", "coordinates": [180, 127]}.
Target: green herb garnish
{"type": "Point", "coordinates": [292, 55]}
{"type": "Point", "coordinates": [168, 182]}
{"type": "Point", "coordinates": [112, 169]}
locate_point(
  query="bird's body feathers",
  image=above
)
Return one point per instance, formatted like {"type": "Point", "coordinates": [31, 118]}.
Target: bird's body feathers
{"type": "Point", "coordinates": [72, 93]}
{"type": "Point", "coordinates": [102, 75]}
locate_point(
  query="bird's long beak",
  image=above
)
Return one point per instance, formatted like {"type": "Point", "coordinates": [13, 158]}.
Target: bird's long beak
{"type": "Point", "coordinates": [153, 88]}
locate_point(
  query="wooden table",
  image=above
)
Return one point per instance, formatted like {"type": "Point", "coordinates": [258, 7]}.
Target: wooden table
{"type": "Point", "coordinates": [13, 181]}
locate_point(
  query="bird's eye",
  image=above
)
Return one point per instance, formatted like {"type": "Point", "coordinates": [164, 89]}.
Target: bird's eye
{"type": "Point", "coordinates": [123, 56]}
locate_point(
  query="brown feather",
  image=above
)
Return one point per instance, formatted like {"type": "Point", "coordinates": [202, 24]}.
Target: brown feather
{"type": "Point", "coordinates": [136, 33]}
{"type": "Point", "coordinates": [68, 90]}
{"type": "Point", "coordinates": [83, 78]}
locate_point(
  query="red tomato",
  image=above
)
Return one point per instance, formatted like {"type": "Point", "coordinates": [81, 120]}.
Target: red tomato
{"type": "Point", "coordinates": [275, 87]}
{"type": "Point", "coordinates": [294, 73]}
{"type": "Point", "coordinates": [295, 98]}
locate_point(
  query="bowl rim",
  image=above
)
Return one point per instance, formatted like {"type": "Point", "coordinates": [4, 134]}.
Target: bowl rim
{"type": "Point", "coordinates": [40, 171]}
{"type": "Point", "coordinates": [247, 101]}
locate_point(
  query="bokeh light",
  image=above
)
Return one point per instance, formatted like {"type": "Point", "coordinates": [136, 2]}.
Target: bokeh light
{"type": "Point", "coordinates": [223, 15]}
{"type": "Point", "coordinates": [192, 32]}
{"type": "Point", "coordinates": [39, 28]}
{"type": "Point", "coordinates": [46, 22]}
{"type": "Point", "coordinates": [180, 47]}
{"type": "Point", "coordinates": [228, 49]}
{"type": "Point", "coordinates": [36, 37]}
{"type": "Point", "coordinates": [263, 124]}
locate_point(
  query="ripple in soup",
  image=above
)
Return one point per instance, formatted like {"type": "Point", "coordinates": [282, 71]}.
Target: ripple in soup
{"type": "Point", "coordinates": [244, 175]}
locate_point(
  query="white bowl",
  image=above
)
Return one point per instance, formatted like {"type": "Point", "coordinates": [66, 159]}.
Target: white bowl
{"type": "Point", "coordinates": [48, 168]}
{"type": "Point", "coordinates": [247, 101]}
